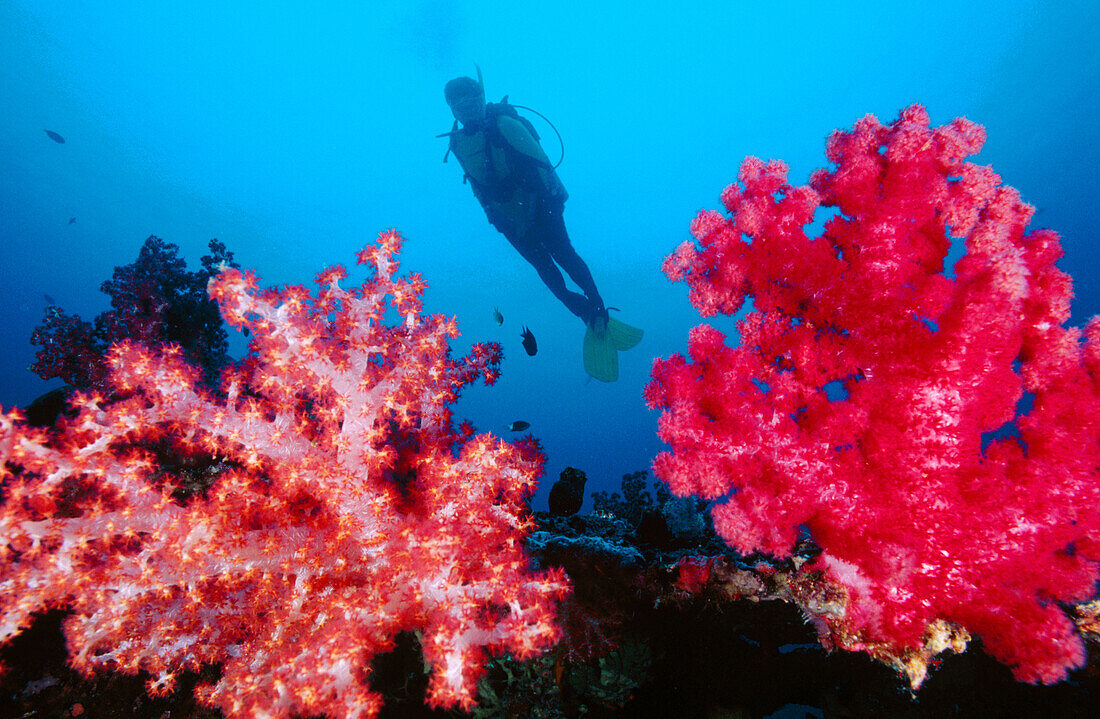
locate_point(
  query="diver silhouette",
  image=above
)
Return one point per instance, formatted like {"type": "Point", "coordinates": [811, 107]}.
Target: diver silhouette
{"type": "Point", "coordinates": [523, 199]}
{"type": "Point", "coordinates": [520, 192]}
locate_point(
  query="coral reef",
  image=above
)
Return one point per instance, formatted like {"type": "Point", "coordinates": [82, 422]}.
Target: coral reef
{"type": "Point", "coordinates": [155, 301]}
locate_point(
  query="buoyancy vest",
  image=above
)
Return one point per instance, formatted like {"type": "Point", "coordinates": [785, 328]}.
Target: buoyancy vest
{"type": "Point", "coordinates": [503, 161]}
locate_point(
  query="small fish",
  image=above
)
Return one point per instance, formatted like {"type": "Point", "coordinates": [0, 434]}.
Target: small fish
{"type": "Point", "coordinates": [50, 301]}
{"type": "Point", "coordinates": [518, 426]}
{"type": "Point", "coordinates": [529, 343]}
{"type": "Point", "coordinates": [55, 137]}
{"type": "Point", "coordinates": [497, 316]}
{"type": "Point", "coordinates": [72, 220]}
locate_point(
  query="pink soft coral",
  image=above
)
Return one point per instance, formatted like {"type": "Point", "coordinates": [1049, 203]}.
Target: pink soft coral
{"type": "Point", "coordinates": [347, 508]}
{"type": "Point", "coordinates": [864, 401]}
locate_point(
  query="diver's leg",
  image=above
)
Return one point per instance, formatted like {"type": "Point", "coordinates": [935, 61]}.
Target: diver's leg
{"type": "Point", "coordinates": [556, 239]}
{"type": "Point", "coordinates": [536, 253]}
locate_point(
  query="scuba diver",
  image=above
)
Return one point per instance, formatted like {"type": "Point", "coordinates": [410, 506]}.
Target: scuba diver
{"type": "Point", "coordinates": [523, 199]}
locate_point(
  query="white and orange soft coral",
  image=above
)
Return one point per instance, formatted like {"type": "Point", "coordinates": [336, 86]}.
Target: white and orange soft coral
{"type": "Point", "coordinates": [347, 508]}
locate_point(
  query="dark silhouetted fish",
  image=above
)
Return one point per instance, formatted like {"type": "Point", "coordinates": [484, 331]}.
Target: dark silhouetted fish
{"type": "Point", "coordinates": [497, 316]}
{"type": "Point", "coordinates": [518, 426]}
{"type": "Point", "coordinates": [50, 301]}
{"type": "Point", "coordinates": [529, 343]}
{"type": "Point", "coordinates": [72, 220]}
{"type": "Point", "coordinates": [55, 137]}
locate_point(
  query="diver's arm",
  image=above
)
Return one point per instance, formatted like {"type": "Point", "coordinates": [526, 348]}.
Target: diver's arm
{"type": "Point", "coordinates": [479, 193]}
{"type": "Point", "coordinates": [494, 212]}
{"type": "Point", "coordinates": [517, 135]}
{"type": "Point", "coordinates": [521, 139]}
{"type": "Point", "coordinates": [469, 148]}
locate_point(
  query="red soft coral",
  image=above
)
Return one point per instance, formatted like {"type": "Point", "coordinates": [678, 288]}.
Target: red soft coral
{"type": "Point", "coordinates": [936, 435]}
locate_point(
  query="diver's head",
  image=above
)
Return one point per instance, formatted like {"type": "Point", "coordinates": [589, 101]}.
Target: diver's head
{"type": "Point", "coordinates": [466, 96]}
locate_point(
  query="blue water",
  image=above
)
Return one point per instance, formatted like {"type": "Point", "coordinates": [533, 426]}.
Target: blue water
{"type": "Point", "coordinates": [295, 134]}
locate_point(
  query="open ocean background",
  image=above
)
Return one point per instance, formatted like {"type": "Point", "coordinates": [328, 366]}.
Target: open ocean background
{"type": "Point", "coordinates": [294, 132]}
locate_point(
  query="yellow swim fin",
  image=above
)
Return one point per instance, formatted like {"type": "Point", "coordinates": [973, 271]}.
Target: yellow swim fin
{"type": "Point", "coordinates": [623, 336]}
{"type": "Point", "coordinates": [603, 340]}
{"type": "Point", "coordinates": [601, 359]}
